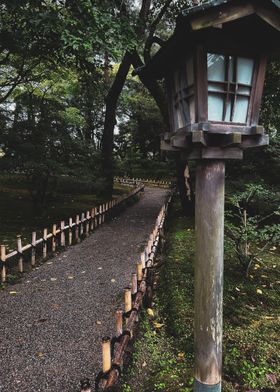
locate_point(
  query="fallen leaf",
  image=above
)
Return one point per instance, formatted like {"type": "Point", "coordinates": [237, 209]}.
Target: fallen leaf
{"type": "Point", "coordinates": [70, 277]}
{"type": "Point", "coordinates": [259, 291]}
{"type": "Point", "coordinates": [40, 354]}
{"type": "Point", "coordinates": [144, 364]}
{"type": "Point", "coordinates": [237, 289]}
{"type": "Point", "coordinates": [272, 378]}
{"type": "Point", "coordinates": [100, 268]}
{"type": "Point", "coordinates": [55, 306]}
{"type": "Point", "coordinates": [150, 312]}
{"type": "Point", "coordinates": [53, 279]}
{"type": "Point", "coordinates": [113, 280]}
{"type": "Point", "coordinates": [157, 325]}
{"type": "Point", "coordinates": [13, 292]}
{"type": "Point", "coordinates": [98, 322]}
{"type": "Point", "coordinates": [50, 262]}
{"type": "Point", "coordinates": [83, 272]}
{"type": "Point", "coordinates": [273, 248]}
{"type": "Point", "coordinates": [181, 355]}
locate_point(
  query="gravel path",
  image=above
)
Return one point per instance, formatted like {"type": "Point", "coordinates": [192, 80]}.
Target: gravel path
{"type": "Point", "coordinates": [51, 328]}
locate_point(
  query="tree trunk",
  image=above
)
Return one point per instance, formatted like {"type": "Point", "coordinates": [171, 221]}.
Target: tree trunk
{"type": "Point", "coordinates": [111, 101]}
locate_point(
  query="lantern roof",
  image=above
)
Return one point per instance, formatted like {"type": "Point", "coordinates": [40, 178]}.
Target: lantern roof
{"type": "Point", "coordinates": [253, 24]}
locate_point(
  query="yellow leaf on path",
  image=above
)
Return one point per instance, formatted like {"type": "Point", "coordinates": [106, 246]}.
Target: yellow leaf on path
{"type": "Point", "coordinates": [150, 312]}
{"type": "Point", "coordinates": [257, 266]}
{"type": "Point", "coordinates": [13, 292]}
{"type": "Point", "coordinates": [251, 276]}
{"type": "Point", "coordinates": [113, 280]}
{"type": "Point", "coordinates": [40, 354]}
{"type": "Point", "coordinates": [259, 291]}
{"type": "Point", "coordinates": [237, 289]}
{"type": "Point", "coordinates": [70, 277]}
{"type": "Point", "coordinates": [181, 355]}
{"type": "Point", "coordinates": [98, 322]}
{"type": "Point", "coordinates": [53, 279]}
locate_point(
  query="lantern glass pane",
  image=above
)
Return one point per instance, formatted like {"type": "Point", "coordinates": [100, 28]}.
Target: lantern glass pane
{"type": "Point", "coordinates": [245, 70]}
{"type": "Point", "coordinates": [241, 109]}
{"type": "Point", "coordinates": [216, 67]}
{"type": "Point", "coordinates": [229, 87]}
{"type": "Point", "coordinates": [215, 107]}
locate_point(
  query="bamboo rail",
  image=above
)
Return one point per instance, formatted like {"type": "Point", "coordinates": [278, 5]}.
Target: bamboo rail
{"type": "Point", "coordinates": [62, 234]}
{"type": "Point", "coordinates": [134, 296]}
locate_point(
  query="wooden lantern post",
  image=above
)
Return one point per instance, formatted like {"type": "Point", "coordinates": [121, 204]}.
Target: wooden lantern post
{"type": "Point", "coordinates": [214, 69]}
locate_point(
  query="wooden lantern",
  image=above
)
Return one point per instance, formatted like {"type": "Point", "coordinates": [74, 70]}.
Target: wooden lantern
{"type": "Point", "coordinates": [214, 70]}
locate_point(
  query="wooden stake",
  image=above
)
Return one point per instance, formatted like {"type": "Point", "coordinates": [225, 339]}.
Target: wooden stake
{"type": "Point", "coordinates": [100, 214]}
{"type": "Point", "coordinates": [62, 234]}
{"type": "Point", "coordinates": [143, 260]}
{"type": "Point", "coordinates": [19, 249]}
{"type": "Point", "coordinates": [45, 245]}
{"type": "Point", "coordinates": [119, 327]}
{"type": "Point", "coordinates": [3, 259]}
{"type": "Point", "coordinates": [33, 249]}
{"type": "Point", "coordinates": [106, 351]}
{"type": "Point", "coordinates": [54, 237]}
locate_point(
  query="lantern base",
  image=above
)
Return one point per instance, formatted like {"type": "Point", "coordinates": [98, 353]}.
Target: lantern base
{"type": "Point", "coordinates": [199, 387]}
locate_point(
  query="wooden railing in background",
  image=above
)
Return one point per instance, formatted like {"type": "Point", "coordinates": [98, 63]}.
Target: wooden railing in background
{"type": "Point", "coordinates": [147, 182]}
{"type": "Point", "coordinates": [62, 235]}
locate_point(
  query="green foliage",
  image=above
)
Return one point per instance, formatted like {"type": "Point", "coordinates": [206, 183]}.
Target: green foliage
{"type": "Point", "coordinates": [250, 228]}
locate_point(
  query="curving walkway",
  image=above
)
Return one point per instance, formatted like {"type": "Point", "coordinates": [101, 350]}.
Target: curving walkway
{"type": "Point", "coordinates": [51, 328]}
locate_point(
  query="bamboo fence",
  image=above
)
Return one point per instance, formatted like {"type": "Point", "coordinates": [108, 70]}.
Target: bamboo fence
{"type": "Point", "coordinates": [138, 292]}
{"type": "Point", "coordinates": [147, 182]}
{"type": "Point", "coordinates": [66, 233]}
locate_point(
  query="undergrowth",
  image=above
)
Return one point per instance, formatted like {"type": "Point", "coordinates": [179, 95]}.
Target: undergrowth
{"type": "Point", "coordinates": [163, 356]}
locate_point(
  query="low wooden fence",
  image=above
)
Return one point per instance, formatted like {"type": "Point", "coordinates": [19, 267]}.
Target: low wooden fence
{"type": "Point", "coordinates": [61, 235]}
{"type": "Point", "coordinates": [134, 181]}
{"type": "Point", "coordinates": [139, 291]}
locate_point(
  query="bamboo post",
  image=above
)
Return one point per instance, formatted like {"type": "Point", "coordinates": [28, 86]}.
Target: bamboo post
{"type": "Point", "coordinates": [62, 233]}
{"type": "Point", "coordinates": [45, 245]}
{"type": "Point", "coordinates": [87, 223]}
{"type": "Point", "coordinates": [100, 214]}
{"type": "Point", "coordinates": [143, 259]}
{"type": "Point", "coordinates": [106, 354]}
{"type": "Point", "coordinates": [139, 272]}
{"type": "Point", "coordinates": [19, 249]}
{"type": "Point", "coordinates": [70, 234]}
{"type": "Point", "coordinates": [127, 301]}
{"type": "Point", "coordinates": [82, 224]}
{"type": "Point", "coordinates": [209, 222]}
{"type": "Point", "coordinates": [134, 283]}
{"type": "Point", "coordinates": [92, 220]}
{"type": "Point", "coordinates": [33, 249]}
{"type": "Point", "coordinates": [53, 237]}
{"type": "Point", "coordinates": [95, 217]}
{"type": "Point", "coordinates": [3, 260]}
{"type": "Point", "coordinates": [119, 327]}
{"type": "Point", "coordinates": [77, 228]}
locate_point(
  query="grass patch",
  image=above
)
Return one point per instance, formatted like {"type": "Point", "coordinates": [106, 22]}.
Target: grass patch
{"type": "Point", "coordinates": [251, 322]}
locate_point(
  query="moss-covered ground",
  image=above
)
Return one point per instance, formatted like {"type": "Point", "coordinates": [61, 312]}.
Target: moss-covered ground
{"type": "Point", "coordinates": [163, 356]}
{"type": "Point", "coordinates": [17, 213]}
